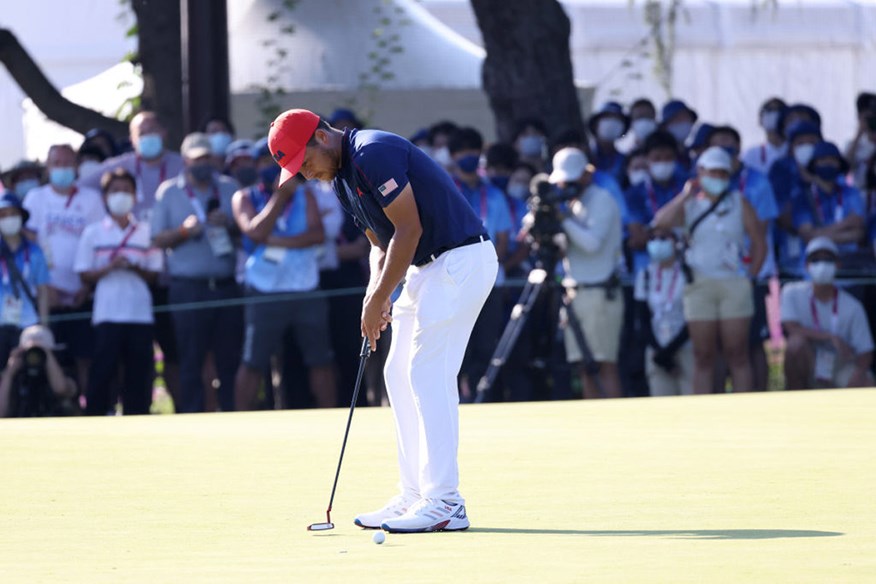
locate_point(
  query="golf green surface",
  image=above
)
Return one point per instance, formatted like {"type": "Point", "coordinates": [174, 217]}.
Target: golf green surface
{"type": "Point", "coordinates": [771, 487]}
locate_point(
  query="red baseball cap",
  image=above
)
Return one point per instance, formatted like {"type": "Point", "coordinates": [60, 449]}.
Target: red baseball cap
{"type": "Point", "coordinates": [288, 137]}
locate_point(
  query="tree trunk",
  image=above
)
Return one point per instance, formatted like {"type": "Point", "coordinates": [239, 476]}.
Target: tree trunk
{"type": "Point", "coordinates": [160, 55]}
{"type": "Point", "coordinates": [46, 96]}
{"type": "Point", "coordinates": [528, 68]}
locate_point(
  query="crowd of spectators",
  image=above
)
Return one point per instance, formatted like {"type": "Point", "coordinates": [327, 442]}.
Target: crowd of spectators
{"type": "Point", "coordinates": [127, 261]}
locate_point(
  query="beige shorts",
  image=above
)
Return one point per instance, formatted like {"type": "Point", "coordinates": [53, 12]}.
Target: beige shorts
{"type": "Point", "coordinates": [714, 299]}
{"type": "Point", "coordinates": [601, 320]}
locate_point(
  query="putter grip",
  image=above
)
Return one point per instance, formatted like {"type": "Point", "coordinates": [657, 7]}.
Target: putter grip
{"type": "Point", "coordinates": [366, 348]}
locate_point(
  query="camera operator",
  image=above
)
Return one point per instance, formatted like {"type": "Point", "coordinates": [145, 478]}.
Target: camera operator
{"type": "Point", "coordinates": [593, 225]}
{"type": "Point", "coordinates": [33, 383]}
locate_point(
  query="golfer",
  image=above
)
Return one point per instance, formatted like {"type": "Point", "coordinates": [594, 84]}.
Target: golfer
{"type": "Point", "coordinates": [422, 232]}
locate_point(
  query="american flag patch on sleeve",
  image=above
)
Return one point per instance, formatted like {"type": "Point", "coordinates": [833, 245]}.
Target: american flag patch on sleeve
{"type": "Point", "coordinates": [387, 187]}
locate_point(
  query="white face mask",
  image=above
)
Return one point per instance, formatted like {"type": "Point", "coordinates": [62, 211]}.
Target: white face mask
{"type": "Point", "coordinates": [822, 272]}
{"type": "Point", "coordinates": [643, 127]}
{"type": "Point", "coordinates": [88, 167]}
{"type": "Point", "coordinates": [803, 153]}
{"type": "Point", "coordinates": [10, 225]}
{"type": "Point", "coordinates": [442, 156]}
{"type": "Point", "coordinates": [662, 171]}
{"type": "Point", "coordinates": [609, 129]}
{"type": "Point", "coordinates": [120, 203]}
{"type": "Point", "coordinates": [637, 176]}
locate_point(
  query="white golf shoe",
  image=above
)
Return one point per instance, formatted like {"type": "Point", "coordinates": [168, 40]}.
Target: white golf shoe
{"type": "Point", "coordinates": [396, 507]}
{"type": "Point", "coordinates": [429, 515]}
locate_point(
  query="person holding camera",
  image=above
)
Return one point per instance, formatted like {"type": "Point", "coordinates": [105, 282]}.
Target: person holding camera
{"type": "Point", "coordinates": [718, 303]}
{"type": "Point", "coordinates": [24, 298]}
{"type": "Point", "coordinates": [115, 256]}
{"type": "Point", "coordinates": [593, 225]}
{"type": "Point", "coordinates": [659, 290]}
{"type": "Point", "coordinates": [33, 382]}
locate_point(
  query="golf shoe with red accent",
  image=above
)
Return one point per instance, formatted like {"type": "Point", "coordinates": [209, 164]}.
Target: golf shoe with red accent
{"type": "Point", "coordinates": [429, 515]}
{"type": "Point", "coordinates": [396, 507]}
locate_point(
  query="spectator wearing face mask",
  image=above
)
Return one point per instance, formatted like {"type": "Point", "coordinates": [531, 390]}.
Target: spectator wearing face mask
{"type": "Point", "coordinates": [593, 226]}
{"type": "Point", "coordinates": [116, 256]}
{"type": "Point", "coordinates": [635, 171]}
{"type": "Point", "coordinates": [759, 193]}
{"type": "Point", "coordinates": [664, 180]}
{"type": "Point", "coordinates": [489, 203]}
{"type": "Point", "coordinates": [151, 162]}
{"type": "Point", "coordinates": [607, 126]}
{"type": "Point", "coordinates": [696, 145]}
{"type": "Point", "coordinates": [23, 177]}
{"type": "Point", "coordinates": [861, 150]}
{"type": "Point", "coordinates": [59, 213]}
{"type": "Point", "coordinates": [88, 159]}
{"type": "Point", "coordinates": [439, 136]}
{"type": "Point", "coordinates": [24, 298]}
{"type": "Point", "coordinates": [678, 119]}
{"type": "Point", "coordinates": [220, 132]}
{"type": "Point", "coordinates": [240, 162]}
{"type": "Point", "coordinates": [503, 165]}
{"type": "Point", "coordinates": [643, 120]}
{"type": "Point", "coordinates": [828, 341]}
{"type": "Point", "coordinates": [789, 176]}
{"type": "Point", "coordinates": [762, 156]}
{"type": "Point", "coordinates": [659, 293]}
{"type": "Point", "coordinates": [827, 206]}
{"type": "Point", "coordinates": [530, 140]}
{"type": "Point", "coordinates": [718, 297]}
{"type": "Point", "coordinates": [192, 221]}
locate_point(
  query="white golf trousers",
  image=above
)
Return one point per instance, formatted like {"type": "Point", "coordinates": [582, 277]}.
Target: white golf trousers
{"type": "Point", "coordinates": [431, 324]}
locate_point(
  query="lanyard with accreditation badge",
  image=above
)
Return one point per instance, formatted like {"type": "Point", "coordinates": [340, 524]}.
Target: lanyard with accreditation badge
{"type": "Point", "coordinates": [5, 268]}
{"type": "Point", "coordinates": [196, 203]}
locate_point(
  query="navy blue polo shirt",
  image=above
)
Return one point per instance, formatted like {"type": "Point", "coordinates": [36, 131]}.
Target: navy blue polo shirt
{"type": "Point", "coordinates": [377, 166]}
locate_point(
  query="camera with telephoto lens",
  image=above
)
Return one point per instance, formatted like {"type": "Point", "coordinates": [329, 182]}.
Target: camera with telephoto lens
{"type": "Point", "coordinates": [33, 392]}
{"type": "Point", "coordinates": [543, 222]}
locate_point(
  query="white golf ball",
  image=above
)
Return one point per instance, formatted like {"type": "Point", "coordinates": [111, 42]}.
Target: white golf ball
{"type": "Point", "coordinates": [379, 537]}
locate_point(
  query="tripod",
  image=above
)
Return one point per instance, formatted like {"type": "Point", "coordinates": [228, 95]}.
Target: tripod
{"type": "Point", "coordinates": [539, 281]}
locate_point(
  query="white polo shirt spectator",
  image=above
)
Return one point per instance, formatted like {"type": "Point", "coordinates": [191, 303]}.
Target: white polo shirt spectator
{"type": "Point", "coordinates": [58, 222]}
{"type": "Point", "coordinates": [121, 296]}
{"type": "Point", "coordinates": [115, 255]}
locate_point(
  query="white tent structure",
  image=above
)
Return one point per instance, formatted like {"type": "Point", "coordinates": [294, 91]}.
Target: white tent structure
{"type": "Point", "coordinates": [334, 51]}
{"type": "Point", "coordinates": [106, 92]}
{"type": "Point", "coordinates": [731, 55]}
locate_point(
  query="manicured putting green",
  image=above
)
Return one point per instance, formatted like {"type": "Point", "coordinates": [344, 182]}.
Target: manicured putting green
{"type": "Point", "coordinates": [775, 487]}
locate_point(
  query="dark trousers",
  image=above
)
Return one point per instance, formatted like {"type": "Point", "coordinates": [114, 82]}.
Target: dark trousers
{"type": "Point", "coordinates": [199, 330]}
{"type": "Point", "coordinates": [128, 345]}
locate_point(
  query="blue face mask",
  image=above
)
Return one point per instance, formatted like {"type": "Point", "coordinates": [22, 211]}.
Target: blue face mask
{"type": "Point", "coordinates": [501, 182]}
{"type": "Point", "coordinates": [150, 146]}
{"type": "Point", "coordinates": [202, 172]}
{"type": "Point", "coordinates": [714, 186]}
{"type": "Point", "coordinates": [661, 249]}
{"type": "Point", "coordinates": [219, 142]}
{"type": "Point", "coordinates": [468, 163]}
{"type": "Point", "coordinates": [827, 173]}
{"type": "Point", "coordinates": [62, 177]}
{"type": "Point", "coordinates": [268, 175]}
{"type": "Point", "coordinates": [531, 146]}
{"type": "Point", "coordinates": [22, 187]}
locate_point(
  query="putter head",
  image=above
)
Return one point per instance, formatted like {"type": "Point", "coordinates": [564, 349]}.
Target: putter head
{"type": "Point", "coordinates": [320, 526]}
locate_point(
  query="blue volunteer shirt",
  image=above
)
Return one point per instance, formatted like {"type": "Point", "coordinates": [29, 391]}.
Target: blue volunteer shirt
{"type": "Point", "coordinates": [33, 268]}
{"type": "Point", "coordinates": [813, 207]}
{"type": "Point", "coordinates": [376, 167]}
{"type": "Point", "coordinates": [612, 164]}
{"type": "Point", "coordinates": [490, 205]}
{"type": "Point", "coordinates": [644, 200]}
{"type": "Point", "coordinates": [273, 269]}
{"type": "Point", "coordinates": [757, 189]}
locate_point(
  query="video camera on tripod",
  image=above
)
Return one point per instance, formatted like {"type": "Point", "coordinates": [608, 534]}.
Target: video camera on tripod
{"type": "Point", "coordinates": [543, 229]}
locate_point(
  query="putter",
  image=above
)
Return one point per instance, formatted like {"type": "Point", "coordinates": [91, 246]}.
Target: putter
{"type": "Point", "coordinates": [363, 356]}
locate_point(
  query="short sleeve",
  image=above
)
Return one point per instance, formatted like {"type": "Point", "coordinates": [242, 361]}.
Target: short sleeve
{"type": "Point", "coordinates": [39, 268]}
{"type": "Point", "coordinates": [861, 335]}
{"type": "Point", "coordinates": [760, 194]}
{"type": "Point", "coordinates": [502, 214]}
{"type": "Point", "coordinates": [160, 220]}
{"type": "Point", "coordinates": [384, 170]}
{"type": "Point", "coordinates": [853, 203]}
{"type": "Point", "coordinates": [84, 252]}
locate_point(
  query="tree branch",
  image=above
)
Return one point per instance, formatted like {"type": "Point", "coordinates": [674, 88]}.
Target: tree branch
{"type": "Point", "coordinates": [46, 97]}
